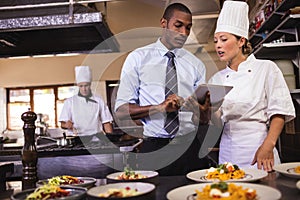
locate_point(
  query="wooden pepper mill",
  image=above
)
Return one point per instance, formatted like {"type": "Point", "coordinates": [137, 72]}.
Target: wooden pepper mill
{"type": "Point", "coordinates": [29, 152]}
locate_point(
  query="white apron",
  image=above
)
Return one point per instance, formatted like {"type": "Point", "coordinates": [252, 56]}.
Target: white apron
{"type": "Point", "coordinates": [259, 91]}
{"type": "Point", "coordinates": [240, 142]}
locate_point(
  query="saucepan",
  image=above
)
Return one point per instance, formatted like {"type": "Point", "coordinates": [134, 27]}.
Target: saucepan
{"type": "Point", "coordinates": [68, 140]}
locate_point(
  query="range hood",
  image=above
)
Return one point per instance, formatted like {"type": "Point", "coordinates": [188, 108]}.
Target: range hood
{"type": "Point", "coordinates": [31, 27]}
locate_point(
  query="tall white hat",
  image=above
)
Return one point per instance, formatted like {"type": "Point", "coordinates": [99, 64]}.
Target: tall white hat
{"type": "Point", "coordinates": [233, 18]}
{"type": "Point", "coordinates": [83, 74]}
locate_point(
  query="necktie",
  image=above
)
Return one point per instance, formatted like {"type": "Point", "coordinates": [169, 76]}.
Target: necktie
{"type": "Point", "coordinates": [171, 87]}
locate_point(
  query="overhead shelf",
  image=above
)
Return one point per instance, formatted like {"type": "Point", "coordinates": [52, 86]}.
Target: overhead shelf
{"type": "Point", "coordinates": [272, 21]}
{"type": "Point", "coordinates": [274, 51]}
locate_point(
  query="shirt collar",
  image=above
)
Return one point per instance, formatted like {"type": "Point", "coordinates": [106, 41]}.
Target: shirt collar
{"type": "Point", "coordinates": [163, 49]}
{"type": "Point", "coordinates": [243, 64]}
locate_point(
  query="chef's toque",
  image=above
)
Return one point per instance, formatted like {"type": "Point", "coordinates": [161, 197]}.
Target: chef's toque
{"type": "Point", "coordinates": [233, 18]}
{"type": "Point", "coordinates": [83, 74]}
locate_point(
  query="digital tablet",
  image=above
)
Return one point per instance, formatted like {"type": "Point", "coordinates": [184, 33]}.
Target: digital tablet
{"type": "Point", "coordinates": [217, 92]}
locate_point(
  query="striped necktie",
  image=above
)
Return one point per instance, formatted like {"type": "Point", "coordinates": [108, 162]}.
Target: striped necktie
{"type": "Point", "coordinates": [171, 87]}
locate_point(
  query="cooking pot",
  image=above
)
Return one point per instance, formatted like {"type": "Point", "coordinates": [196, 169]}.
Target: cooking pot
{"type": "Point", "coordinates": [68, 140]}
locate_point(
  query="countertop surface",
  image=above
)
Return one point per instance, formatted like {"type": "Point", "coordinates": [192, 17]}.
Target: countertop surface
{"type": "Point", "coordinates": [286, 185]}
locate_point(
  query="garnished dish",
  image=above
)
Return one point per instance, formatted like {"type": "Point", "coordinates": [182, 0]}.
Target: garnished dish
{"type": "Point", "coordinates": [48, 192]}
{"type": "Point", "coordinates": [225, 191]}
{"type": "Point", "coordinates": [291, 169]}
{"type": "Point", "coordinates": [51, 192]}
{"type": "Point", "coordinates": [225, 172]}
{"type": "Point", "coordinates": [119, 193]}
{"type": "Point", "coordinates": [64, 180]}
{"type": "Point", "coordinates": [69, 180]}
{"type": "Point", "coordinates": [122, 190]}
{"type": "Point", "coordinates": [130, 174]}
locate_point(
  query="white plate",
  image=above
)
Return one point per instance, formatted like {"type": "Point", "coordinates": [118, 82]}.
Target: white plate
{"type": "Point", "coordinates": [288, 169]}
{"type": "Point", "coordinates": [88, 182]}
{"type": "Point", "coordinates": [250, 175]}
{"type": "Point", "coordinates": [149, 174]}
{"type": "Point", "coordinates": [298, 184]}
{"type": "Point", "coordinates": [263, 192]}
{"type": "Point", "coordinates": [217, 92]}
{"type": "Point", "coordinates": [143, 188]}
{"type": "Point", "coordinates": [76, 193]}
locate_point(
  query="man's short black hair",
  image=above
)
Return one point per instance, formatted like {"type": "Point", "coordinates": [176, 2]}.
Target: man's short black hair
{"type": "Point", "coordinates": [175, 6]}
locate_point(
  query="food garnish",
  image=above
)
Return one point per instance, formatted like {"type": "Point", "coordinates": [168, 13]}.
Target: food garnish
{"type": "Point", "coordinates": [119, 192]}
{"type": "Point", "coordinates": [225, 172]}
{"type": "Point", "coordinates": [130, 174]}
{"type": "Point", "coordinates": [226, 191]}
{"type": "Point", "coordinates": [47, 192]}
{"type": "Point", "coordinates": [64, 180]}
{"type": "Point", "coordinates": [297, 169]}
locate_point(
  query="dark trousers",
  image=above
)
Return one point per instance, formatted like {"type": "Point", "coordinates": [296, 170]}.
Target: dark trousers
{"type": "Point", "coordinates": [187, 162]}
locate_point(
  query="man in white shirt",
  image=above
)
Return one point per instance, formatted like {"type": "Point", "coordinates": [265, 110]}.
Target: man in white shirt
{"type": "Point", "coordinates": [142, 93]}
{"type": "Point", "coordinates": [85, 113]}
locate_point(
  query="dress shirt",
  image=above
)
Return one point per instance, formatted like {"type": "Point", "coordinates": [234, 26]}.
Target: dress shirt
{"type": "Point", "coordinates": [143, 82]}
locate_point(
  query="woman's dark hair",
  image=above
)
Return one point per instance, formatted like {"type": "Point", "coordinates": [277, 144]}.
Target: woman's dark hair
{"type": "Point", "coordinates": [247, 47]}
{"type": "Point", "coordinates": [175, 6]}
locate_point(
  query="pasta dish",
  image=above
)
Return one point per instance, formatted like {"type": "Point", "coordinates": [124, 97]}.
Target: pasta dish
{"type": "Point", "coordinates": [225, 172]}
{"type": "Point", "coordinates": [47, 192]}
{"type": "Point", "coordinates": [224, 191]}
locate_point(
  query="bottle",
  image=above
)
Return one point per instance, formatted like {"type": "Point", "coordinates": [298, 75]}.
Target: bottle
{"type": "Point", "coordinates": [29, 152]}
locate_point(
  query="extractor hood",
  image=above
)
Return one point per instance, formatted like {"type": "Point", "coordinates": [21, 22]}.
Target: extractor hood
{"type": "Point", "coordinates": [39, 27]}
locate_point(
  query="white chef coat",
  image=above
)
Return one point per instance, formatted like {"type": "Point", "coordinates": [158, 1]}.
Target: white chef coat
{"type": "Point", "coordinates": [87, 116]}
{"type": "Point", "coordinates": [259, 91]}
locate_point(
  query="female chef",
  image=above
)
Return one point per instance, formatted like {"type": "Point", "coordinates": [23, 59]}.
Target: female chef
{"type": "Point", "coordinates": [255, 110]}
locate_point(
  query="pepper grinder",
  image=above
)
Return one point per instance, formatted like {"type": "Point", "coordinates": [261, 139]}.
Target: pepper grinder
{"type": "Point", "coordinates": [29, 152]}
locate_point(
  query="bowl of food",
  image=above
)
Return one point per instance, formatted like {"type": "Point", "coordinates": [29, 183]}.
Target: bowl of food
{"type": "Point", "coordinates": [124, 190]}
{"type": "Point", "coordinates": [129, 175]}
{"type": "Point", "coordinates": [51, 192]}
{"type": "Point", "coordinates": [64, 180]}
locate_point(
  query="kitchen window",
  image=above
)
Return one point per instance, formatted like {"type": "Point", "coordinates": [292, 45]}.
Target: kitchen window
{"type": "Point", "coordinates": [46, 100]}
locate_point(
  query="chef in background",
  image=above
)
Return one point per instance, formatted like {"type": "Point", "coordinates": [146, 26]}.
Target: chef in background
{"type": "Point", "coordinates": [255, 110]}
{"type": "Point", "coordinates": [85, 113]}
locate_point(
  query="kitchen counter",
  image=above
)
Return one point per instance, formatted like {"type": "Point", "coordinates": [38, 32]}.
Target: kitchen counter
{"type": "Point", "coordinates": [286, 185]}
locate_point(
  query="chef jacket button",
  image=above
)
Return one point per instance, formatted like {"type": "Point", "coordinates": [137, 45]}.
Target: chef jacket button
{"type": "Point", "coordinates": [249, 70]}
{"type": "Point", "coordinates": [227, 76]}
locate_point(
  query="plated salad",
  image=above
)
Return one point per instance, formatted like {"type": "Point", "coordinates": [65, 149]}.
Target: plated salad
{"type": "Point", "coordinates": [48, 192]}
{"type": "Point", "coordinates": [64, 180]}
{"type": "Point", "coordinates": [130, 174]}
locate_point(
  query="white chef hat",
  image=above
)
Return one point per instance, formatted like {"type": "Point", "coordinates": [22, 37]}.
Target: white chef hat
{"type": "Point", "coordinates": [83, 74]}
{"type": "Point", "coordinates": [233, 18]}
